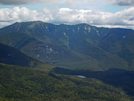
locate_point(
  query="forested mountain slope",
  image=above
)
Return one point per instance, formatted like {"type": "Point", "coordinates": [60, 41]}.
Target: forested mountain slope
{"type": "Point", "coordinates": [72, 46]}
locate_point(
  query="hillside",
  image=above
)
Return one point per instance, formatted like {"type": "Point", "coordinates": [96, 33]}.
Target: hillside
{"type": "Point", "coordinates": [26, 79]}
{"type": "Point", "coordinates": [12, 56]}
{"type": "Point", "coordinates": [72, 46]}
{"type": "Point", "coordinates": [118, 78]}
{"type": "Point", "coordinates": [29, 84]}
{"type": "Point", "coordinates": [121, 44]}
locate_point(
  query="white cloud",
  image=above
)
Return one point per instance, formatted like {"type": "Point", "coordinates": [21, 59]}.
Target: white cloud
{"type": "Point", "coordinates": [57, 15]}
{"type": "Point", "coordinates": [73, 3]}
{"type": "Point", "coordinates": [17, 14]}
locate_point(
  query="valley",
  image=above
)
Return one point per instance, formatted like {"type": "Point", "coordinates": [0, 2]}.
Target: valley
{"type": "Point", "coordinates": [45, 62]}
{"type": "Point", "coordinates": [39, 81]}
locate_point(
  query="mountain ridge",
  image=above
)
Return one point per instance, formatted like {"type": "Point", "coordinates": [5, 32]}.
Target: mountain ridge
{"type": "Point", "coordinates": [78, 46]}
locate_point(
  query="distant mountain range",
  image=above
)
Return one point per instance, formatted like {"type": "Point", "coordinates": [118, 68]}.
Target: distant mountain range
{"type": "Point", "coordinates": [73, 46]}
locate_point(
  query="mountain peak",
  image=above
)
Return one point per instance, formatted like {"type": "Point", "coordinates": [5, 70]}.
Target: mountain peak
{"type": "Point", "coordinates": [78, 46]}
{"type": "Point", "coordinates": [84, 24]}
{"type": "Point", "coordinates": [30, 24]}
{"type": "Point", "coordinates": [38, 21]}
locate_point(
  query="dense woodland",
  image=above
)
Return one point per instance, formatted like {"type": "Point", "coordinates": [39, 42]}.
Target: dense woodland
{"type": "Point", "coordinates": [26, 84]}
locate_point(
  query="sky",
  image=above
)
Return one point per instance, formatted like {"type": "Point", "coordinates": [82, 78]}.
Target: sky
{"type": "Point", "coordinates": [101, 13]}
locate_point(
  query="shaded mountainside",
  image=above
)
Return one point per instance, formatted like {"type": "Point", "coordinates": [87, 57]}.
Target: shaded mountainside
{"type": "Point", "coordinates": [12, 56]}
{"type": "Point", "coordinates": [72, 46]}
{"type": "Point", "coordinates": [121, 44]}
{"type": "Point", "coordinates": [29, 84]}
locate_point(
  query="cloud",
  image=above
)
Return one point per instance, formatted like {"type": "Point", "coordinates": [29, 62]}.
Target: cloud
{"type": "Point", "coordinates": [17, 14]}
{"type": "Point", "coordinates": [84, 4]}
{"type": "Point", "coordinates": [124, 2]}
{"type": "Point", "coordinates": [121, 2]}
{"type": "Point", "coordinates": [69, 16]}
{"type": "Point", "coordinates": [21, 2]}
{"type": "Point", "coordinates": [73, 3]}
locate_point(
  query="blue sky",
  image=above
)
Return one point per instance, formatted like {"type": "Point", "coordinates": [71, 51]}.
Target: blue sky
{"type": "Point", "coordinates": [101, 13]}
